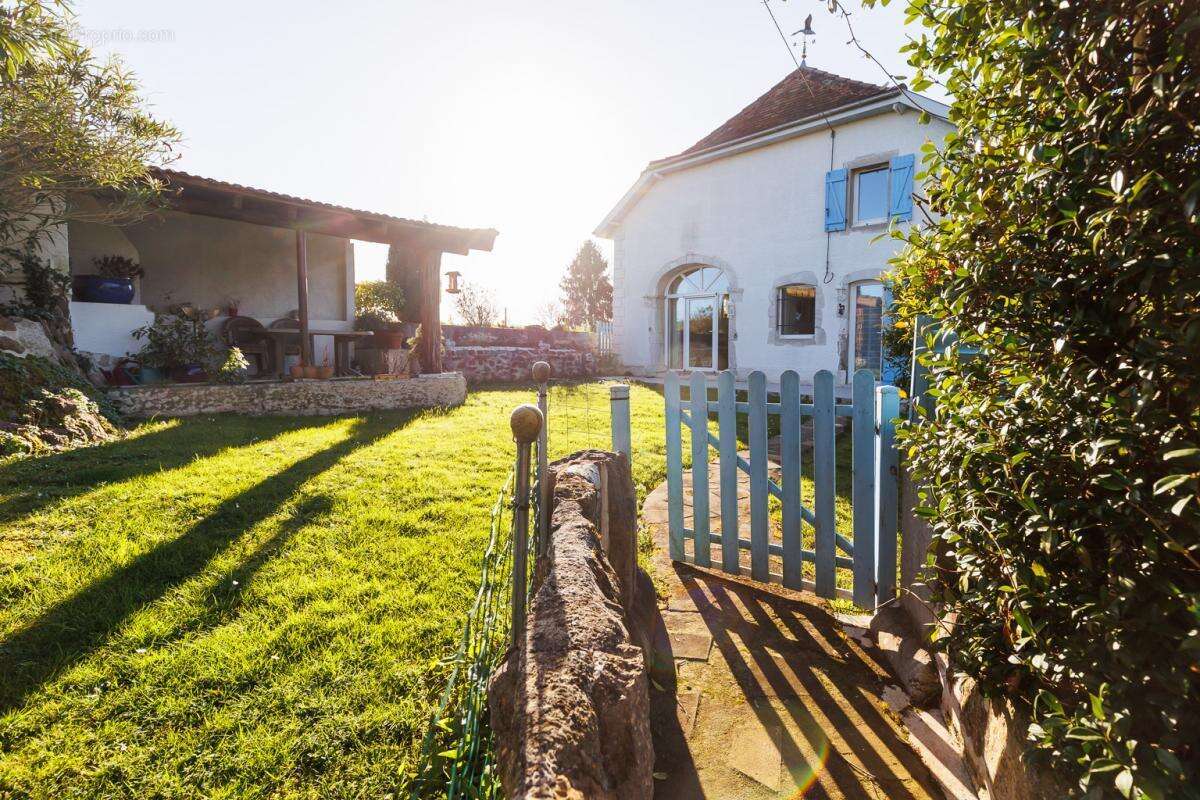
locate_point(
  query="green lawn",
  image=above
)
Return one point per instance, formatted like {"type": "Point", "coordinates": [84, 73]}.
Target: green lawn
{"type": "Point", "coordinates": [235, 607]}
{"type": "Point", "coordinates": [253, 607]}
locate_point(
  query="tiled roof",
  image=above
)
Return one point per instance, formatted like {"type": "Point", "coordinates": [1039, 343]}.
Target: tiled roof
{"type": "Point", "coordinates": [805, 93]}
{"type": "Point", "coordinates": [174, 176]}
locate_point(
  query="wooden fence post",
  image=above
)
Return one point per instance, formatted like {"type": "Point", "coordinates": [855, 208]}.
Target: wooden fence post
{"type": "Point", "coordinates": [825, 486]}
{"type": "Point", "coordinates": [727, 421]}
{"type": "Point", "coordinates": [674, 448]}
{"type": "Point", "coordinates": [789, 458]}
{"type": "Point", "coordinates": [622, 437]}
{"type": "Point", "coordinates": [760, 563]}
{"type": "Point", "coordinates": [863, 488]}
{"type": "Point", "coordinates": [702, 550]}
{"type": "Point", "coordinates": [887, 464]}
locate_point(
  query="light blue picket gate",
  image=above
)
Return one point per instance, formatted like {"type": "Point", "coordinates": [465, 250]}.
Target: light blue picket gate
{"type": "Point", "coordinates": [869, 553]}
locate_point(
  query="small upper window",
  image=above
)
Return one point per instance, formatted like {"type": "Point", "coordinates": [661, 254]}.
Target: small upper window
{"type": "Point", "coordinates": [797, 310]}
{"type": "Point", "coordinates": [870, 199]}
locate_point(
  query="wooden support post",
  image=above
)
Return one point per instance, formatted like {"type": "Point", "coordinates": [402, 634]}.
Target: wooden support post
{"type": "Point", "coordinates": [306, 355]}
{"type": "Point", "coordinates": [429, 262]}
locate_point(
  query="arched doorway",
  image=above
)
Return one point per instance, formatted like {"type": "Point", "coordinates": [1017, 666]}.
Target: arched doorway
{"type": "Point", "coordinates": [696, 319]}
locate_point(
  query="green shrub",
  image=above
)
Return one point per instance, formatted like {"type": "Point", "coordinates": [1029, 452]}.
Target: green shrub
{"type": "Point", "coordinates": [44, 405]}
{"type": "Point", "coordinates": [382, 300]}
{"type": "Point", "coordinates": [1062, 465]}
{"type": "Point", "coordinates": [177, 340]}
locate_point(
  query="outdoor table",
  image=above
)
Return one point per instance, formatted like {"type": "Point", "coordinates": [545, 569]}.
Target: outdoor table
{"type": "Point", "coordinates": [341, 345]}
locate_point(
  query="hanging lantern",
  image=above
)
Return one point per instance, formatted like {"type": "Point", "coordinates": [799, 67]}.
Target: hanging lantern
{"type": "Point", "coordinates": [452, 287]}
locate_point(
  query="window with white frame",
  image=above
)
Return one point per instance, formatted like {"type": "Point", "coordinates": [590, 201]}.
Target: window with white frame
{"type": "Point", "coordinates": [869, 201]}
{"type": "Point", "coordinates": [796, 309]}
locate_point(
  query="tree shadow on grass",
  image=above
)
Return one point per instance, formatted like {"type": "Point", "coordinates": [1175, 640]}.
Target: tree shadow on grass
{"type": "Point", "coordinates": [70, 630]}
{"type": "Point", "coordinates": [68, 474]}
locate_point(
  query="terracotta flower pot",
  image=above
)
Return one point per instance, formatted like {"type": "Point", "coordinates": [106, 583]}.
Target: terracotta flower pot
{"type": "Point", "coordinates": [325, 373]}
{"type": "Point", "coordinates": [297, 370]}
{"type": "Point", "coordinates": [311, 371]}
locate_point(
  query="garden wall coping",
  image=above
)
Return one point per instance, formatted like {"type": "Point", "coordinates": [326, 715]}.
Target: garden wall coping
{"type": "Point", "coordinates": [303, 398]}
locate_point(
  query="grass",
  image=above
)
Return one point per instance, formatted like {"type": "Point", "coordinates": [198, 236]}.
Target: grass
{"type": "Point", "coordinates": [254, 607]}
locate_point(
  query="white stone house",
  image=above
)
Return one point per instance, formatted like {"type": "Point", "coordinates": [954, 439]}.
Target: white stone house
{"type": "Point", "coordinates": [762, 245]}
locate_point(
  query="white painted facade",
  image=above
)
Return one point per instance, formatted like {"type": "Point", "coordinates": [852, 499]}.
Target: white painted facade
{"type": "Point", "coordinates": [756, 209]}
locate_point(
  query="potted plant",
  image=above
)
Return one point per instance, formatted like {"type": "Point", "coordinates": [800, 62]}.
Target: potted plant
{"type": "Point", "coordinates": [379, 307]}
{"type": "Point", "coordinates": [232, 307]}
{"type": "Point", "coordinates": [112, 283]}
{"type": "Point", "coordinates": [180, 345]}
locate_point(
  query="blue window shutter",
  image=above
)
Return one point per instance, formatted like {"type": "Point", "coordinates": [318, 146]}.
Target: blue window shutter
{"type": "Point", "coordinates": [835, 200]}
{"type": "Point", "coordinates": [901, 174]}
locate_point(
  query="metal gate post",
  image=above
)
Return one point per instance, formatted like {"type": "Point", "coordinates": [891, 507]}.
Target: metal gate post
{"type": "Point", "coordinates": [526, 424]}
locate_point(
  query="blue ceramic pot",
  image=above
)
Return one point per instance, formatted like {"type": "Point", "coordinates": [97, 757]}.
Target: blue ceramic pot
{"type": "Point", "coordinates": [98, 289]}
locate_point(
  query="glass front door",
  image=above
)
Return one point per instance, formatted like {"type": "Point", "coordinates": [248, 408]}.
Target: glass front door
{"type": "Point", "coordinates": [867, 308]}
{"type": "Point", "coordinates": [700, 332]}
{"type": "Point", "coordinates": [696, 313]}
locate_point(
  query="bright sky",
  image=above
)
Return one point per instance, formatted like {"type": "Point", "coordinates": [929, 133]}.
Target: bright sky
{"type": "Point", "coordinates": [527, 116]}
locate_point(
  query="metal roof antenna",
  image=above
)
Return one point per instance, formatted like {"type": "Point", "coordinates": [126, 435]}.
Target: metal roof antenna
{"type": "Point", "coordinates": [807, 32]}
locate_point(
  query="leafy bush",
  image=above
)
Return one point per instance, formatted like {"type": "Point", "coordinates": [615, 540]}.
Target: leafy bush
{"type": "Point", "coordinates": [233, 368]}
{"type": "Point", "coordinates": [378, 303]}
{"type": "Point", "coordinates": [1062, 464]}
{"type": "Point", "coordinates": [177, 340]}
{"type": "Point", "coordinates": [45, 286]}
{"type": "Point", "coordinates": [121, 267]}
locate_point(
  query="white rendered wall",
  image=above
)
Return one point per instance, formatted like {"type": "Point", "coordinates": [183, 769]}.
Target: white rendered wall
{"type": "Point", "coordinates": [760, 216]}
{"type": "Point", "coordinates": [107, 327]}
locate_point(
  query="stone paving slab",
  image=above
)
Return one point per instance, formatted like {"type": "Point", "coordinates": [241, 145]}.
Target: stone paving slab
{"type": "Point", "coordinates": [786, 704]}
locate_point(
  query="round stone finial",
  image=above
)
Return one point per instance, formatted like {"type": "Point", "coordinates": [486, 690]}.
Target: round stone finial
{"type": "Point", "coordinates": [541, 371]}
{"type": "Point", "coordinates": [526, 422]}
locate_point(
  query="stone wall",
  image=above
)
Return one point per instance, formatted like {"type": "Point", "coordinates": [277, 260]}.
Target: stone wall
{"type": "Point", "coordinates": [340, 396]}
{"type": "Point", "coordinates": [570, 707]}
{"type": "Point", "coordinates": [513, 364]}
{"type": "Point", "coordinates": [528, 336]}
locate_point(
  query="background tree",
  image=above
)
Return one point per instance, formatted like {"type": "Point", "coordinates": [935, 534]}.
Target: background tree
{"type": "Point", "coordinates": [586, 289]}
{"type": "Point", "coordinates": [71, 128]}
{"type": "Point", "coordinates": [476, 306]}
{"type": "Point", "coordinates": [1061, 468]}
{"type": "Point", "coordinates": [548, 314]}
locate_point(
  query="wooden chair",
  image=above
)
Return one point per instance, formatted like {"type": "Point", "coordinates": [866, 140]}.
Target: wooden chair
{"type": "Point", "coordinates": [247, 334]}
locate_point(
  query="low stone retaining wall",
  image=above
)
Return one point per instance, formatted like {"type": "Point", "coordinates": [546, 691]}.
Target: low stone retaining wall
{"type": "Point", "coordinates": [570, 709]}
{"type": "Point", "coordinates": [513, 364]}
{"type": "Point", "coordinates": [339, 396]}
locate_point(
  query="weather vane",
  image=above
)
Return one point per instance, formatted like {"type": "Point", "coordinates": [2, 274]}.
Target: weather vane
{"type": "Point", "coordinates": [807, 32]}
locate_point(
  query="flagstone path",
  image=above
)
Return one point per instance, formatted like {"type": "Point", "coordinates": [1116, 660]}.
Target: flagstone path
{"type": "Point", "coordinates": [769, 697]}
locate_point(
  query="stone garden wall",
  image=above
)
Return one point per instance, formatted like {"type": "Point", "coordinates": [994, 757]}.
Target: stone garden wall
{"type": "Point", "coordinates": [570, 708]}
{"type": "Point", "coordinates": [513, 364]}
{"type": "Point", "coordinates": [339, 396]}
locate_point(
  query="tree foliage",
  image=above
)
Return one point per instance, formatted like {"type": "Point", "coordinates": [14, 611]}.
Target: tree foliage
{"type": "Point", "coordinates": [71, 129]}
{"type": "Point", "coordinates": [586, 289]}
{"type": "Point", "coordinates": [476, 306]}
{"type": "Point", "coordinates": [382, 298]}
{"type": "Point", "coordinates": [1062, 463]}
